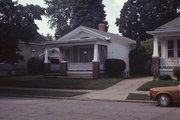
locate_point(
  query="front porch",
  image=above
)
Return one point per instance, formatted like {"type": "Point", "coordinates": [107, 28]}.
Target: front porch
{"type": "Point", "coordinates": [166, 55]}
{"type": "Point", "coordinates": [83, 60]}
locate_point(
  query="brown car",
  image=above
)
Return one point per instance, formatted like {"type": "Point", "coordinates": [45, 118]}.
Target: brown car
{"type": "Point", "coordinates": [165, 95]}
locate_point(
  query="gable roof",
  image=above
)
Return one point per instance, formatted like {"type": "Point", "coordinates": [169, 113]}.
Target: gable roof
{"type": "Point", "coordinates": [96, 34]}
{"type": "Point", "coordinates": [38, 39]}
{"type": "Point", "coordinates": [172, 25]}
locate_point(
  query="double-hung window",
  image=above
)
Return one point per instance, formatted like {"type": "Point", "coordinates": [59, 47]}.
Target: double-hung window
{"type": "Point", "coordinates": [173, 47]}
{"type": "Point", "coordinates": [170, 48]}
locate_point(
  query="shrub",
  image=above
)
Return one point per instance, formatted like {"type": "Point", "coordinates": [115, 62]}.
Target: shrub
{"type": "Point", "coordinates": [114, 67]}
{"type": "Point", "coordinates": [176, 72]}
{"type": "Point", "coordinates": [35, 66]}
{"type": "Point", "coordinates": [138, 61]}
{"type": "Point", "coordinates": [165, 77]}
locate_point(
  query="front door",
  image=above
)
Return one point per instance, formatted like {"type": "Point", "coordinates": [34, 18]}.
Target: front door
{"type": "Point", "coordinates": [85, 54]}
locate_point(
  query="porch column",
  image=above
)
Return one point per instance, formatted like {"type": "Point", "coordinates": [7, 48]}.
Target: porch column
{"type": "Point", "coordinates": [155, 47]}
{"type": "Point", "coordinates": [155, 58]}
{"type": "Point", "coordinates": [96, 64]}
{"type": "Point", "coordinates": [46, 62]}
{"type": "Point", "coordinates": [63, 68]}
{"type": "Point", "coordinates": [60, 54]}
{"type": "Point", "coordinates": [62, 64]}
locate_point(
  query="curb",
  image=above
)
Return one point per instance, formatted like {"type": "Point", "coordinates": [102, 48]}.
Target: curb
{"type": "Point", "coordinates": [79, 99]}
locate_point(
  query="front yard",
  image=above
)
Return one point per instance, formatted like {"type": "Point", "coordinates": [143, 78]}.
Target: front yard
{"type": "Point", "coordinates": [57, 83]}
{"type": "Point", "coordinates": [157, 83]}
{"type": "Point", "coordinates": [14, 92]}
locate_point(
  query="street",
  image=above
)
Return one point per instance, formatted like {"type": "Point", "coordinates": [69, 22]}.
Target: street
{"type": "Point", "coordinates": [56, 109]}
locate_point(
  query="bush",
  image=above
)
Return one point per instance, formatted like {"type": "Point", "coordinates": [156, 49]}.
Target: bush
{"type": "Point", "coordinates": [114, 67]}
{"type": "Point", "coordinates": [176, 72]}
{"type": "Point", "coordinates": [35, 66]}
{"type": "Point", "coordinates": [138, 61]}
{"type": "Point", "coordinates": [165, 77]}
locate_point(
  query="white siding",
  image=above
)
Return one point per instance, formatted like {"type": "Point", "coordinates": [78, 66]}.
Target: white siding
{"type": "Point", "coordinates": [82, 35]}
{"type": "Point", "coordinates": [119, 51]}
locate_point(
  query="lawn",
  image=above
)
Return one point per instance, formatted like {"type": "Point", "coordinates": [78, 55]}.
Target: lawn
{"type": "Point", "coordinates": [57, 83]}
{"type": "Point", "coordinates": [157, 83]}
{"type": "Point", "coordinates": [135, 96]}
{"type": "Point", "coordinates": [39, 93]}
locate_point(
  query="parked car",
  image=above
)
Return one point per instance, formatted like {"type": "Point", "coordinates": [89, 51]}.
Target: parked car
{"type": "Point", "coordinates": [165, 95]}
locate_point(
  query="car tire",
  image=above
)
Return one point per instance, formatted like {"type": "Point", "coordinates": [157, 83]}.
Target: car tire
{"type": "Point", "coordinates": [163, 100]}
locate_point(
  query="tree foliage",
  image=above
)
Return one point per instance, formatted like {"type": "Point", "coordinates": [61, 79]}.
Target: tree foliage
{"type": "Point", "coordinates": [66, 15]}
{"type": "Point", "coordinates": [16, 23]}
{"type": "Point", "coordinates": [139, 16]}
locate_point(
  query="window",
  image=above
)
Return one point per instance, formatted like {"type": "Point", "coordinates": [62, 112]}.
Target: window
{"type": "Point", "coordinates": [170, 48]}
{"type": "Point", "coordinates": [178, 48]}
{"type": "Point", "coordinates": [67, 55]}
{"type": "Point", "coordinates": [86, 54]}
{"type": "Point", "coordinates": [33, 53]}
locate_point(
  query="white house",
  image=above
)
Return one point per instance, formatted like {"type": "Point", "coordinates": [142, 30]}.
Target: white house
{"type": "Point", "coordinates": [84, 50]}
{"type": "Point", "coordinates": [166, 51]}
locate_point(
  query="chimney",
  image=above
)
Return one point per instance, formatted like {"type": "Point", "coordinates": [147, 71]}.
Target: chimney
{"type": "Point", "coordinates": [102, 27]}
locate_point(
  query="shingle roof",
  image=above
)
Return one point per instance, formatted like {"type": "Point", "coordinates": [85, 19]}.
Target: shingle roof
{"type": "Point", "coordinates": [111, 35]}
{"type": "Point", "coordinates": [38, 39]}
{"type": "Point", "coordinates": [173, 25]}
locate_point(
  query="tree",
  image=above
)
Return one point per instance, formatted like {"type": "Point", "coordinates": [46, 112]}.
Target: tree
{"type": "Point", "coordinates": [139, 16]}
{"type": "Point", "coordinates": [16, 24]}
{"type": "Point", "coordinates": [48, 37]}
{"type": "Point", "coordinates": [66, 15]}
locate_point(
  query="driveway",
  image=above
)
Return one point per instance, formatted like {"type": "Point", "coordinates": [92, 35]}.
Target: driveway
{"type": "Point", "coordinates": [119, 91]}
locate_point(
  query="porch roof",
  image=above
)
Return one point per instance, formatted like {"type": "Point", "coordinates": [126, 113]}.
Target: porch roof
{"type": "Point", "coordinates": [85, 35]}
{"type": "Point", "coordinates": [172, 27]}
{"type": "Point", "coordinates": [73, 42]}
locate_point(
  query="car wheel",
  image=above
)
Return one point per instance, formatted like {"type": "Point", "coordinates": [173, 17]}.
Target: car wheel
{"type": "Point", "coordinates": [163, 100]}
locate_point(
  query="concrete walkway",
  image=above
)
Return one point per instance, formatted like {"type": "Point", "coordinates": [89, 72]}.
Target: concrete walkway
{"type": "Point", "coordinates": [49, 89]}
{"type": "Point", "coordinates": [119, 91]}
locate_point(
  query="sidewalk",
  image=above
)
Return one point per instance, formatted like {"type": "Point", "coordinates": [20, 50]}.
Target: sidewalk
{"type": "Point", "coordinates": [119, 91]}
{"type": "Point", "coordinates": [48, 89]}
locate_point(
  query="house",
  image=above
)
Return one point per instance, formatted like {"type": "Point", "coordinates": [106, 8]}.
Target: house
{"type": "Point", "coordinates": [167, 56]}
{"type": "Point", "coordinates": [83, 51]}
{"type": "Point", "coordinates": [28, 50]}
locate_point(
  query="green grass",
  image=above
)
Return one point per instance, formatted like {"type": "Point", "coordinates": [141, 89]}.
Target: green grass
{"type": "Point", "coordinates": [135, 96]}
{"type": "Point", "coordinates": [57, 83]}
{"type": "Point", "coordinates": [39, 93]}
{"type": "Point", "coordinates": [157, 83]}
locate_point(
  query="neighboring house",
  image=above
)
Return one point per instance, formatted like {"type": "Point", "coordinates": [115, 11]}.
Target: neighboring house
{"type": "Point", "coordinates": [28, 50]}
{"type": "Point", "coordinates": [168, 35]}
{"type": "Point", "coordinates": [83, 51]}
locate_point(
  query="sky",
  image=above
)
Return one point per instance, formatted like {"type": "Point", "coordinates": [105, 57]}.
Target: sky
{"type": "Point", "coordinates": [112, 9]}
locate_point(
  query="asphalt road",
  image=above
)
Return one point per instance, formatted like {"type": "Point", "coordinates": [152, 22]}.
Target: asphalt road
{"type": "Point", "coordinates": [53, 109]}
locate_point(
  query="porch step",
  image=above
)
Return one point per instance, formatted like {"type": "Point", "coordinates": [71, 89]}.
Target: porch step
{"type": "Point", "coordinates": [53, 74]}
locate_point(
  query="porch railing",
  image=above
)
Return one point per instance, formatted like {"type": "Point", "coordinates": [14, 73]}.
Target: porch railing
{"type": "Point", "coordinates": [169, 62]}
{"type": "Point", "coordinates": [80, 66]}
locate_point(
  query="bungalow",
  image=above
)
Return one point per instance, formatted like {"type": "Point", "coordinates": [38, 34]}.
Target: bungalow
{"type": "Point", "coordinates": [168, 35]}
{"type": "Point", "coordinates": [83, 51]}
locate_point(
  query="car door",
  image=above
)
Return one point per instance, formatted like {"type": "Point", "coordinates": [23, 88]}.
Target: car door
{"type": "Point", "coordinates": [179, 93]}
